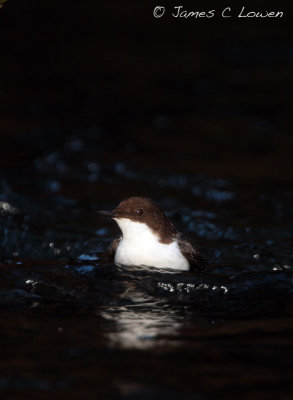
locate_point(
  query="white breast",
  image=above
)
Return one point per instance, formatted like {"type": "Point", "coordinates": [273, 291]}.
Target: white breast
{"type": "Point", "coordinates": [140, 246]}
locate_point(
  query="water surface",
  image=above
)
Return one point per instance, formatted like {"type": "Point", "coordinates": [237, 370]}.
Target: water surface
{"type": "Point", "coordinates": [72, 323]}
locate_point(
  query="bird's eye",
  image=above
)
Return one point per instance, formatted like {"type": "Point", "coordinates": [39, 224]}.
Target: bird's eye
{"type": "Point", "coordinates": [139, 211]}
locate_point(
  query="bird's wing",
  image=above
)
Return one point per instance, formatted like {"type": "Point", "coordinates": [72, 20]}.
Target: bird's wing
{"type": "Point", "coordinates": [191, 253]}
{"type": "Point", "coordinates": [113, 246]}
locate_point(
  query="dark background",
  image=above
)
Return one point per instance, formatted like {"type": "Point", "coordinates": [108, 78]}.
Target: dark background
{"type": "Point", "coordinates": [212, 95]}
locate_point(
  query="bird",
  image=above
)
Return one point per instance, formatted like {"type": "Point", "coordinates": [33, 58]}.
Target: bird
{"type": "Point", "coordinates": [149, 238]}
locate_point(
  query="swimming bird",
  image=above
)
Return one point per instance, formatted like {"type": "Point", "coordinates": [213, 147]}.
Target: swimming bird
{"type": "Point", "coordinates": [149, 238]}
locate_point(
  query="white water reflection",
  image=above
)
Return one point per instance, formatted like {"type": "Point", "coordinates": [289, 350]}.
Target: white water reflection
{"type": "Point", "coordinates": [8, 208]}
{"type": "Point", "coordinates": [137, 329]}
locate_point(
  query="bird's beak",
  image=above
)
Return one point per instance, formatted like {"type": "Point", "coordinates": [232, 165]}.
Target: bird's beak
{"type": "Point", "coordinates": [107, 214]}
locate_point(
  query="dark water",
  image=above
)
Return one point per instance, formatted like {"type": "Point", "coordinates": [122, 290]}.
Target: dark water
{"type": "Point", "coordinates": [73, 325]}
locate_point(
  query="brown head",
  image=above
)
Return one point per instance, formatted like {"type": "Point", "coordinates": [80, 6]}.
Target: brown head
{"type": "Point", "coordinates": [144, 210]}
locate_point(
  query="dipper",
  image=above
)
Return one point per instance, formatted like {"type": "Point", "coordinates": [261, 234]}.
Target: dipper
{"type": "Point", "coordinates": [149, 237]}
